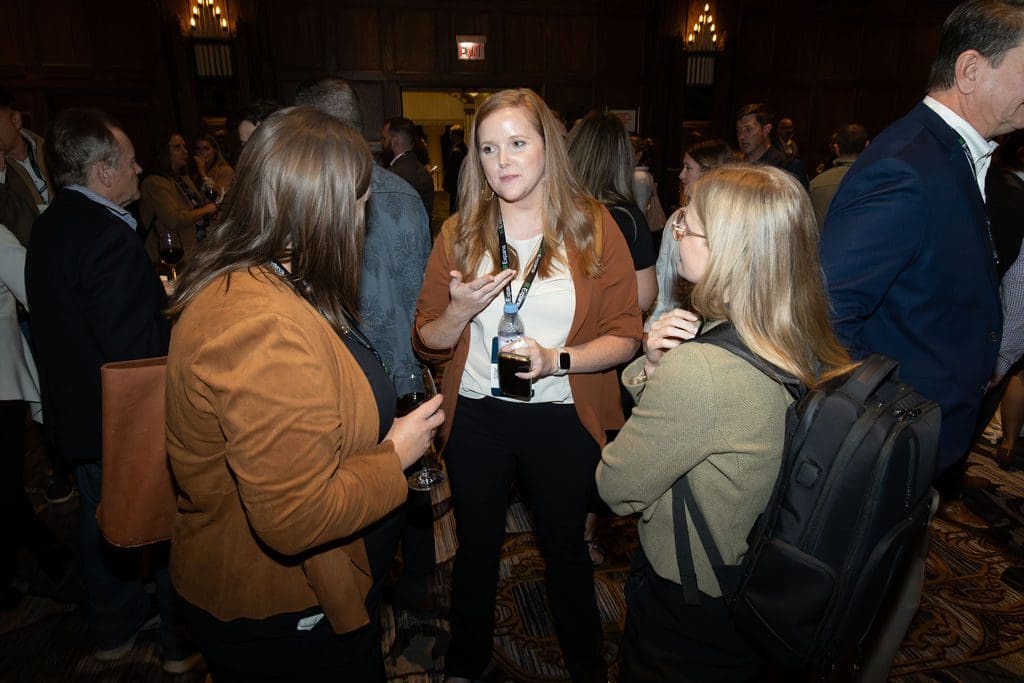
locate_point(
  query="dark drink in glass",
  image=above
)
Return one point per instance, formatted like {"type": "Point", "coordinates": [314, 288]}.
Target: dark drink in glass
{"type": "Point", "coordinates": [413, 385]}
{"type": "Point", "coordinates": [408, 402]}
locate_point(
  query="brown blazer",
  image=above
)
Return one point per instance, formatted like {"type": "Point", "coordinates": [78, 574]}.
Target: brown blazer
{"type": "Point", "coordinates": [27, 186]}
{"type": "Point", "coordinates": [272, 437]}
{"type": "Point", "coordinates": [606, 305]}
{"type": "Point", "coordinates": [163, 207]}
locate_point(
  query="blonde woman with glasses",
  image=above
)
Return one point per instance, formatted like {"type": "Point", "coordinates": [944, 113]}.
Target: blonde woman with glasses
{"type": "Point", "coordinates": [748, 242]}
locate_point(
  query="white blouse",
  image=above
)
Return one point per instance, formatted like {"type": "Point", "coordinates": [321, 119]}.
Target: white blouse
{"type": "Point", "coordinates": [547, 316]}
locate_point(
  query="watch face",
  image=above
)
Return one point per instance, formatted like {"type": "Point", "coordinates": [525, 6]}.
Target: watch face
{"type": "Point", "coordinates": [563, 360]}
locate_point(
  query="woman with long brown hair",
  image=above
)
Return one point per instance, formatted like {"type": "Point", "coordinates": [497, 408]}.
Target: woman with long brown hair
{"type": "Point", "coordinates": [749, 243]}
{"type": "Point", "coordinates": [526, 235]}
{"type": "Point", "coordinates": [280, 417]}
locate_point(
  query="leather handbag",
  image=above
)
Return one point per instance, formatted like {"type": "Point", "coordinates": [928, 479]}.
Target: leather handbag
{"type": "Point", "coordinates": [138, 500]}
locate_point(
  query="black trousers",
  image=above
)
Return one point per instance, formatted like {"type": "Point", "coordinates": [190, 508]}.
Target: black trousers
{"type": "Point", "coordinates": [22, 529]}
{"type": "Point", "coordinates": [667, 640]}
{"type": "Point", "coordinates": [274, 649]}
{"type": "Point", "coordinates": [546, 449]}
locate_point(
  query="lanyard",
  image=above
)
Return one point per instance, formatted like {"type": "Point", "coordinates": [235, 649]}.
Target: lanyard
{"type": "Point", "coordinates": [350, 331]}
{"type": "Point", "coordinates": [988, 223]}
{"type": "Point", "coordinates": [525, 289]}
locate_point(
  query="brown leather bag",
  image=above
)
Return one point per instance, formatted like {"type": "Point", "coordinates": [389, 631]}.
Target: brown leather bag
{"type": "Point", "coordinates": [138, 500]}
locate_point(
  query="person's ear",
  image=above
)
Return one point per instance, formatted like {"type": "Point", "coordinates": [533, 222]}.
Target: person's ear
{"type": "Point", "coordinates": [16, 118]}
{"type": "Point", "coordinates": [968, 69]}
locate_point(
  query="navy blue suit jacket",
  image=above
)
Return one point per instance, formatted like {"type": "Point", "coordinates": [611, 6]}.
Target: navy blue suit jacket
{"type": "Point", "coordinates": [94, 298]}
{"type": "Point", "coordinates": [909, 268]}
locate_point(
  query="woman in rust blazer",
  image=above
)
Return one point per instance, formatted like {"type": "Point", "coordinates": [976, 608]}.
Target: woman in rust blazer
{"type": "Point", "coordinates": [518, 197]}
{"type": "Point", "coordinates": [280, 417]}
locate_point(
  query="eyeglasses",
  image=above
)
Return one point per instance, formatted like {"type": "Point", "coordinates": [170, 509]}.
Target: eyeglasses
{"type": "Point", "coordinates": [680, 229]}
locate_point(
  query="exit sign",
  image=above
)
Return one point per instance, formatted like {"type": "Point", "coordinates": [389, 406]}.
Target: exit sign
{"type": "Point", "coordinates": [470, 48]}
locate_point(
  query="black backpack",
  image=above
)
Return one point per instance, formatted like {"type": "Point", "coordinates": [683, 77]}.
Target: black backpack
{"type": "Point", "coordinates": [850, 505]}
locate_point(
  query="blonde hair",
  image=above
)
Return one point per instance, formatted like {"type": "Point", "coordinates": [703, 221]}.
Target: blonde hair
{"type": "Point", "coordinates": [299, 195]}
{"type": "Point", "coordinates": [763, 272]}
{"type": "Point", "coordinates": [568, 211]}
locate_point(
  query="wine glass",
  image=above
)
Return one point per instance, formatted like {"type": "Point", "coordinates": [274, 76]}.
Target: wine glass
{"type": "Point", "coordinates": [414, 385]}
{"type": "Point", "coordinates": [171, 251]}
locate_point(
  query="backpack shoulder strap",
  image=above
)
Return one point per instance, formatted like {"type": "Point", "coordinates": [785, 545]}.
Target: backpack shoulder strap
{"type": "Point", "coordinates": [726, 337]}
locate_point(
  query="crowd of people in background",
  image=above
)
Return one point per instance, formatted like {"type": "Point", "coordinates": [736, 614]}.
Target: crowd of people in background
{"type": "Point", "coordinates": [309, 271]}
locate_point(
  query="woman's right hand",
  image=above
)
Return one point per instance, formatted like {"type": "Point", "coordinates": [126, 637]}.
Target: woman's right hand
{"type": "Point", "coordinates": [200, 165]}
{"type": "Point", "coordinates": [469, 298]}
{"type": "Point", "coordinates": [413, 433]}
{"type": "Point", "coordinates": [667, 332]}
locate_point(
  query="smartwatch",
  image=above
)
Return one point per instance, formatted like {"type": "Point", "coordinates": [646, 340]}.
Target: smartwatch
{"type": "Point", "coordinates": [564, 362]}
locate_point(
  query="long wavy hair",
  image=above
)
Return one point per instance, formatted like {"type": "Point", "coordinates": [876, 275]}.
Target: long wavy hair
{"type": "Point", "coordinates": [763, 272]}
{"type": "Point", "coordinates": [568, 212]}
{"type": "Point", "coordinates": [602, 157]}
{"type": "Point", "coordinates": [299, 195]}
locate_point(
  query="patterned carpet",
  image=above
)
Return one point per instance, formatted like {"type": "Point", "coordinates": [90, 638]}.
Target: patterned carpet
{"type": "Point", "coordinates": [970, 627]}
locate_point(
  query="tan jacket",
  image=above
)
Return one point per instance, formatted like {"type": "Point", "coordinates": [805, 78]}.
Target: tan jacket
{"type": "Point", "coordinates": [606, 305]}
{"type": "Point", "coordinates": [27, 186]}
{"type": "Point", "coordinates": [163, 207]}
{"type": "Point", "coordinates": [272, 436]}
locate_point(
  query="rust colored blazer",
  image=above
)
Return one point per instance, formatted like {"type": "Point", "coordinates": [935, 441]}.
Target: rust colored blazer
{"type": "Point", "coordinates": [272, 436]}
{"type": "Point", "coordinates": [605, 305]}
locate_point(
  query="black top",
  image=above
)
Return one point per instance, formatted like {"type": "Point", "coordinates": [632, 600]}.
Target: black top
{"type": "Point", "coordinates": [380, 383]}
{"type": "Point", "coordinates": [634, 227]}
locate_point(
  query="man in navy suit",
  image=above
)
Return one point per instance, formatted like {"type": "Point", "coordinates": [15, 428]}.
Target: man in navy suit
{"type": "Point", "coordinates": [95, 298]}
{"type": "Point", "coordinates": [909, 261]}
{"type": "Point", "coordinates": [906, 250]}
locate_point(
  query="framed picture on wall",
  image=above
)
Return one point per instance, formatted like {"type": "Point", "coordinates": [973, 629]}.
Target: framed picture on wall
{"type": "Point", "coordinates": [628, 117]}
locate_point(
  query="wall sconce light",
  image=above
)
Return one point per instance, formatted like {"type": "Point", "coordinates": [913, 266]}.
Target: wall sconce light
{"type": "Point", "coordinates": [703, 37]}
{"type": "Point", "coordinates": [208, 20]}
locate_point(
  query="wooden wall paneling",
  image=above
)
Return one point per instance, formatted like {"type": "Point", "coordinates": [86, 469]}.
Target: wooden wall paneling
{"type": "Point", "coordinates": [415, 36]}
{"type": "Point", "coordinates": [122, 37]}
{"type": "Point", "coordinates": [371, 101]}
{"type": "Point", "coordinates": [839, 51]}
{"type": "Point", "coordinates": [522, 43]}
{"type": "Point", "coordinates": [572, 101]}
{"type": "Point", "coordinates": [833, 107]}
{"type": "Point", "coordinates": [622, 46]}
{"type": "Point", "coordinates": [920, 45]}
{"type": "Point", "coordinates": [875, 107]}
{"type": "Point", "coordinates": [358, 43]}
{"type": "Point", "coordinates": [572, 47]}
{"type": "Point", "coordinates": [755, 43]}
{"type": "Point", "coordinates": [61, 28]}
{"type": "Point", "coordinates": [880, 51]}
{"type": "Point", "coordinates": [296, 35]}
{"type": "Point", "coordinates": [796, 51]}
{"type": "Point", "coordinates": [15, 51]}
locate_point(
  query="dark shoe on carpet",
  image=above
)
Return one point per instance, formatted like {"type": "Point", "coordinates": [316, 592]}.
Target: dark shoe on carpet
{"type": "Point", "coordinates": [597, 552]}
{"type": "Point", "coordinates": [1014, 578]}
{"type": "Point", "coordinates": [956, 512]}
{"type": "Point", "coordinates": [58, 490]}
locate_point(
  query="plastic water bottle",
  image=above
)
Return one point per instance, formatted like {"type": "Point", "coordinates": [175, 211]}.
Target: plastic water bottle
{"type": "Point", "coordinates": [510, 327]}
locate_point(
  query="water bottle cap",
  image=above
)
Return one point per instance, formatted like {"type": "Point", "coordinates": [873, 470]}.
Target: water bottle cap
{"type": "Point", "coordinates": [511, 308]}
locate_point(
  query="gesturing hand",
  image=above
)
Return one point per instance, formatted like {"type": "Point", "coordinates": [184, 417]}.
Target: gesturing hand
{"type": "Point", "coordinates": [469, 298]}
{"type": "Point", "coordinates": [667, 332]}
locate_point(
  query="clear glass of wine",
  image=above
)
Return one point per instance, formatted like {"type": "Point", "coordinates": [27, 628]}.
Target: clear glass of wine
{"type": "Point", "coordinates": [171, 251]}
{"type": "Point", "coordinates": [414, 384]}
